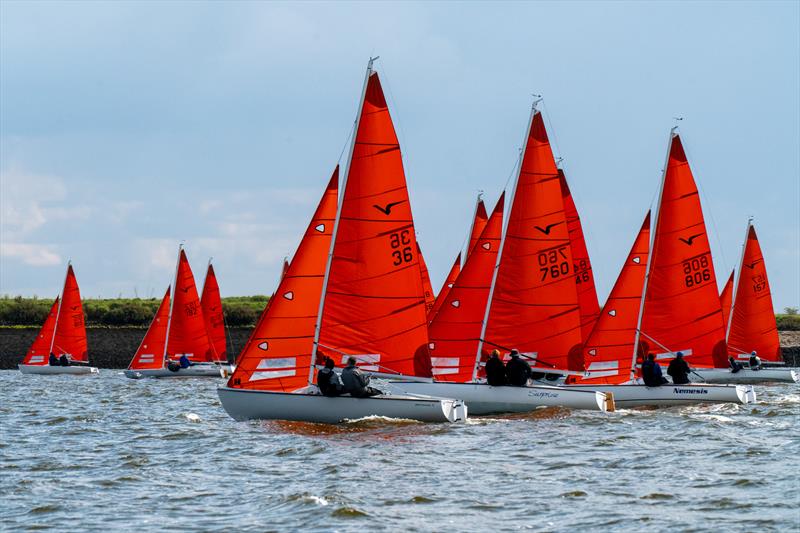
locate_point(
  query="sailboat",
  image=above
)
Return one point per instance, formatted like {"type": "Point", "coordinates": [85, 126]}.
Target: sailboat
{"type": "Point", "coordinates": [454, 335]}
{"type": "Point", "coordinates": [751, 324]}
{"type": "Point", "coordinates": [354, 289]}
{"type": "Point", "coordinates": [178, 328]}
{"type": "Point", "coordinates": [211, 304]}
{"type": "Point", "coordinates": [63, 333]}
{"type": "Point", "coordinates": [725, 299]}
{"type": "Point", "coordinates": [668, 305]}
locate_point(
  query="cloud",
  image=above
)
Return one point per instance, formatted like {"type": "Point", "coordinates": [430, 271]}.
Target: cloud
{"type": "Point", "coordinates": [25, 200]}
{"type": "Point", "coordinates": [30, 254]}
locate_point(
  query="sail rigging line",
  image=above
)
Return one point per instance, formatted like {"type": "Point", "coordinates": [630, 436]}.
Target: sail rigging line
{"type": "Point", "coordinates": [342, 189]}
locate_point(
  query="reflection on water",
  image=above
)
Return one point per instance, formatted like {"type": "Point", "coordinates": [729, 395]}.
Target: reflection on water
{"type": "Point", "coordinates": [93, 453]}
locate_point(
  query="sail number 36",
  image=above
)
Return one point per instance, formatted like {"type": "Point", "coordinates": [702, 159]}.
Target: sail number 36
{"type": "Point", "coordinates": [400, 243]}
{"type": "Point", "coordinates": [554, 263]}
{"type": "Point", "coordinates": [696, 271]}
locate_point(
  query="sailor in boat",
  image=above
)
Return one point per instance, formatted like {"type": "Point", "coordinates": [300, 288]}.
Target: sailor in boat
{"type": "Point", "coordinates": [651, 372]}
{"type": "Point", "coordinates": [755, 361]}
{"type": "Point", "coordinates": [679, 370]}
{"type": "Point", "coordinates": [54, 360]}
{"type": "Point", "coordinates": [328, 380]}
{"type": "Point", "coordinates": [495, 370]}
{"type": "Point", "coordinates": [735, 366]}
{"type": "Point", "coordinates": [517, 371]}
{"type": "Point", "coordinates": [355, 382]}
{"type": "Point", "coordinates": [184, 361]}
{"type": "Point", "coordinates": [63, 360]}
{"type": "Point", "coordinates": [173, 366]}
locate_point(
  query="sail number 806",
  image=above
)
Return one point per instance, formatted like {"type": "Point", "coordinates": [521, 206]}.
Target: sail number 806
{"type": "Point", "coordinates": [553, 263]}
{"type": "Point", "coordinates": [400, 243]}
{"type": "Point", "coordinates": [696, 271]}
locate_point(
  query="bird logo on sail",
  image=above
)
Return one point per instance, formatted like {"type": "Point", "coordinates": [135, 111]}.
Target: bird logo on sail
{"type": "Point", "coordinates": [690, 240]}
{"type": "Point", "coordinates": [546, 229]}
{"type": "Point", "coordinates": [388, 209]}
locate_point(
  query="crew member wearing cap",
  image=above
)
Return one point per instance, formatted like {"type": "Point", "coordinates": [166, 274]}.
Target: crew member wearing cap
{"type": "Point", "coordinates": [679, 370]}
{"type": "Point", "coordinates": [755, 361]}
{"type": "Point", "coordinates": [517, 371]}
{"type": "Point", "coordinates": [356, 382]}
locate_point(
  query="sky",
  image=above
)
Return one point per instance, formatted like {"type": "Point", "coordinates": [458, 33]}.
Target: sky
{"type": "Point", "coordinates": [128, 127]}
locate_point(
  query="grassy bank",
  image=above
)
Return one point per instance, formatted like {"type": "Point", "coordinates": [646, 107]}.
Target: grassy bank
{"type": "Point", "coordinates": [240, 311]}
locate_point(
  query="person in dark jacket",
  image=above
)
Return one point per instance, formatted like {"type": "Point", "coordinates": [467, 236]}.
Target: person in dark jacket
{"type": "Point", "coordinates": [328, 380]}
{"type": "Point", "coordinates": [63, 360]}
{"type": "Point", "coordinates": [517, 371]}
{"type": "Point", "coordinates": [54, 360]}
{"type": "Point", "coordinates": [651, 372]}
{"type": "Point", "coordinates": [735, 366]}
{"type": "Point", "coordinates": [495, 370]}
{"type": "Point", "coordinates": [679, 370]}
{"type": "Point", "coordinates": [355, 382]}
{"type": "Point", "coordinates": [755, 361]}
{"type": "Point", "coordinates": [184, 361]}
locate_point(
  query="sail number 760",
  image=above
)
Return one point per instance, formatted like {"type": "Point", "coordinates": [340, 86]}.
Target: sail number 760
{"type": "Point", "coordinates": [554, 263]}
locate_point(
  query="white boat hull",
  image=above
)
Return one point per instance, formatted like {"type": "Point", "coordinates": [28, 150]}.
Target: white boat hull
{"type": "Point", "coordinates": [626, 396]}
{"type": "Point", "coordinates": [484, 399]}
{"type": "Point", "coordinates": [196, 371]}
{"type": "Point", "coordinates": [52, 370]}
{"type": "Point", "coordinates": [243, 404]}
{"type": "Point", "coordinates": [745, 375]}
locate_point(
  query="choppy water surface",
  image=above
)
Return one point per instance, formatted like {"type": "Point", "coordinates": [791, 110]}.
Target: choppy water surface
{"type": "Point", "coordinates": [93, 453]}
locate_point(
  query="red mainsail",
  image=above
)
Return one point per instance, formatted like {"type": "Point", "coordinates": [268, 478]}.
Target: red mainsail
{"type": "Point", "coordinates": [608, 351]}
{"type": "Point", "coordinates": [584, 278]}
{"type": "Point", "coordinates": [478, 223]}
{"type": "Point", "coordinates": [682, 311]}
{"type": "Point", "coordinates": [211, 303]}
{"type": "Point", "coordinates": [753, 326]}
{"type": "Point", "coordinates": [534, 303]}
{"type": "Point", "coordinates": [70, 334]}
{"type": "Point", "coordinates": [39, 352]}
{"type": "Point", "coordinates": [725, 298]}
{"type": "Point", "coordinates": [374, 301]}
{"type": "Point", "coordinates": [277, 355]}
{"type": "Point", "coordinates": [456, 328]}
{"type": "Point", "coordinates": [446, 286]}
{"type": "Point", "coordinates": [186, 329]}
{"type": "Point", "coordinates": [150, 354]}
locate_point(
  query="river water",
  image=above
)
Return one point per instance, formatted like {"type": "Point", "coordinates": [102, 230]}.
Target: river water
{"type": "Point", "coordinates": [94, 453]}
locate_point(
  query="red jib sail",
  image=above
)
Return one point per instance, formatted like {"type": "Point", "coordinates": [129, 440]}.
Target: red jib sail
{"type": "Point", "coordinates": [150, 354]}
{"type": "Point", "coordinates": [446, 286]}
{"type": "Point", "coordinates": [725, 298]}
{"type": "Point", "coordinates": [430, 298]}
{"type": "Point", "coordinates": [681, 305]}
{"type": "Point", "coordinates": [534, 305]}
{"type": "Point", "coordinates": [39, 352]}
{"type": "Point", "coordinates": [753, 326]}
{"type": "Point", "coordinates": [608, 351]}
{"type": "Point", "coordinates": [211, 303]}
{"type": "Point", "coordinates": [584, 278]}
{"type": "Point", "coordinates": [478, 223]}
{"type": "Point", "coordinates": [456, 328]}
{"type": "Point", "coordinates": [374, 305]}
{"type": "Point", "coordinates": [70, 334]}
{"type": "Point", "coordinates": [277, 356]}
{"type": "Point", "coordinates": [186, 331]}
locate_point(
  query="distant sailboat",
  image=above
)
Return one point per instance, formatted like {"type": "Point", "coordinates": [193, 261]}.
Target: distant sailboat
{"type": "Point", "coordinates": [63, 334]}
{"type": "Point", "coordinates": [211, 303]}
{"type": "Point", "coordinates": [365, 296]}
{"type": "Point", "coordinates": [184, 333]}
{"type": "Point", "coordinates": [449, 280]}
{"type": "Point", "coordinates": [725, 299]}
{"type": "Point", "coordinates": [751, 326]}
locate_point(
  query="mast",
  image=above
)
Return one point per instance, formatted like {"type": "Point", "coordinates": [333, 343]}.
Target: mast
{"type": "Point", "coordinates": [171, 303]}
{"type": "Point", "coordinates": [206, 278]}
{"type": "Point", "coordinates": [506, 222]}
{"type": "Point", "coordinates": [343, 189]}
{"type": "Point", "coordinates": [737, 275]}
{"type": "Point", "coordinates": [58, 312]}
{"type": "Point", "coordinates": [653, 233]}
